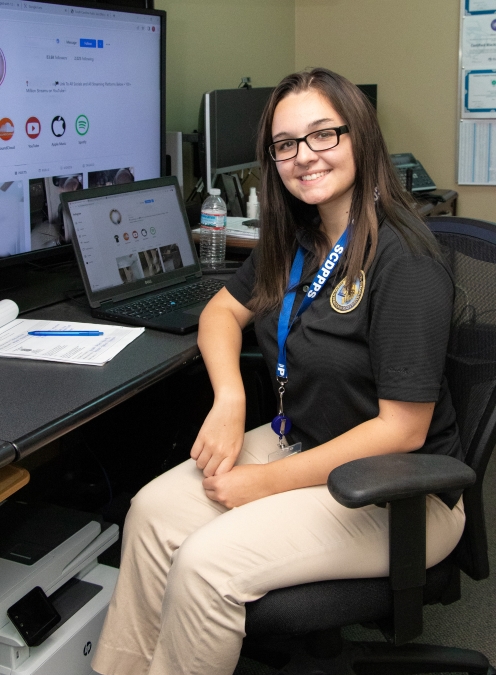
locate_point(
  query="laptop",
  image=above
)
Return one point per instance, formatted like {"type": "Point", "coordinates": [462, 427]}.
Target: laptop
{"type": "Point", "coordinates": [136, 254]}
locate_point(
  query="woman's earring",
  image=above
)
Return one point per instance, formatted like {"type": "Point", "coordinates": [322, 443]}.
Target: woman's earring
{"type": "Point", "coordinates": [377, 194]}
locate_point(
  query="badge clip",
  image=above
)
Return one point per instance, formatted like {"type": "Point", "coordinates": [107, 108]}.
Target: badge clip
{"type": "Point", "coordinates": [284, 451]}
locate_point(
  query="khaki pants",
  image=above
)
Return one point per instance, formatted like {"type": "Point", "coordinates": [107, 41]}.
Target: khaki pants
{"type": "Point", "coordinates": [189, 564]}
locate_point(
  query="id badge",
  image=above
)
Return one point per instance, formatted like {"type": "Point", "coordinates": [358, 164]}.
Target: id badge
{"type": "Point", "coordinates": [284, 451]}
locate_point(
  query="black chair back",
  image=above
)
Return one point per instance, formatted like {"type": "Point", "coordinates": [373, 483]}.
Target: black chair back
{"type": "Point", "coordinates": [470, 247]}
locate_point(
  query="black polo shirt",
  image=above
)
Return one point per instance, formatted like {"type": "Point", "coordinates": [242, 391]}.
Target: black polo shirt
{"type": "Point", "coordinates": [392, 345]}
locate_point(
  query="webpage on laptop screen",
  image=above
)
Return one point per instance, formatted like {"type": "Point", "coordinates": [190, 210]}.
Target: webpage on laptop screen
{"type": "Point", "coordinates": [127, 237]}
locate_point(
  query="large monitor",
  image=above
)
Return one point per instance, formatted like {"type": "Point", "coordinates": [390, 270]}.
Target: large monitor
{"type": "Point", "coordinates": [370, 91]}
{"type": "Point", "coordinates": [82, 91]}
{"type": "Point", "coordinates": [228, 126]}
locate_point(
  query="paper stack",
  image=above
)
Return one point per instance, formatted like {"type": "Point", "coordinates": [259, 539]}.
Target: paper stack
{"type": "Point", "coordinates": [93, 351]}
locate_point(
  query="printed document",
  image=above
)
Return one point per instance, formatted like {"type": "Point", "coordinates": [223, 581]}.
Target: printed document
{"type": "Point", "coordinates": [92, 350]}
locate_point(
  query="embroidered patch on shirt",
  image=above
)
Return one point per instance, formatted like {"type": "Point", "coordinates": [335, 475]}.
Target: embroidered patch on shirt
{"type": "Point", "coordinates": [344, 302]}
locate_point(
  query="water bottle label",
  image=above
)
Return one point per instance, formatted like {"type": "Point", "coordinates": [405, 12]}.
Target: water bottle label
{"type": "Point", "coordinates": [215, 222]}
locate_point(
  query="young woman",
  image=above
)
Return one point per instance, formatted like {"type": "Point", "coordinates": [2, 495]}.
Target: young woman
{"type": "Point", "coordinates": [359, 371]}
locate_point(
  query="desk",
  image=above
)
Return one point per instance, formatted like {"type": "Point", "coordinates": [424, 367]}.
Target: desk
{"type": "Point", "coordinates": [41, 401]}
{"type": "Point", "coordinates": [436, 203]}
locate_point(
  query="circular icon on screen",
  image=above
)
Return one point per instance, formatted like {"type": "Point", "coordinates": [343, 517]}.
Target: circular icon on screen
{"type": "Point", "coordinates": [6, 129]}
{"type": "Point", "coordinates": [126, 236]}
{"type": "Point", "coordinates": [58, 126]}
{"type": "Point", "coordinates": [33, 127]}
{"type": "Point", "coordinates": [153, 230]}
{"type": "Point", "coordinates": [82, 125]}
{"type": "Point", "coordinates": [3, 66]}
{"type": "Point", "coordinates": [493, 24]}
{"type": "Point", "coordinates": [144, 232]}
{"type": "Point", "coordinates": [135, 234]}
{"type": "Point", "coordinates": [115, 217]}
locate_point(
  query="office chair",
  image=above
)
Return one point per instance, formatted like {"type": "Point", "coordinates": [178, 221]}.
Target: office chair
{"type": "Point", "coordinates": [304, 622]}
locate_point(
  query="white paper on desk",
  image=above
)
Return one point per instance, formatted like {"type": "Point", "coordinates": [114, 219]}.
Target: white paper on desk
{"type": "Point", "coordinates": [92, 350]}
{"type": "Point", "coordinates": [236, 228]}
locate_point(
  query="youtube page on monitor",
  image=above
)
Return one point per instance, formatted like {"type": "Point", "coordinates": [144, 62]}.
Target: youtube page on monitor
{"type": "Point", "coordinates": [80, 107]}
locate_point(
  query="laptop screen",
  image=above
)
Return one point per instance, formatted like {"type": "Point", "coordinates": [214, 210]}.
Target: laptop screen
{"type": "Point", "coordinates": [131, 236]}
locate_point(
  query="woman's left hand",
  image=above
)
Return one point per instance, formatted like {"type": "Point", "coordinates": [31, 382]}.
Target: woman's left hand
{"type": "Point", "coordinates": [241, 485]}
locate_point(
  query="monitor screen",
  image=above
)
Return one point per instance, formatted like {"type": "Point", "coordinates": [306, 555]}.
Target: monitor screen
{"type": "Point", "coordinates": [83, 103]}
{"type": "Point", "coordinates": [370, 91]}
{"type": "Point", "coordinates": [228, 127]}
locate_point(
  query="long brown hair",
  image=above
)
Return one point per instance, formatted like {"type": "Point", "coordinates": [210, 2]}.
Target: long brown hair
{"type": "Point", "coordinates": [282, 214]}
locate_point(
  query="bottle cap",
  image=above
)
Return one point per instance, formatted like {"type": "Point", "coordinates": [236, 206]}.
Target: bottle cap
{"type": "Point", "coordinates": [253, 196]}
{"type": "Point", "coordinates": [214, 192]}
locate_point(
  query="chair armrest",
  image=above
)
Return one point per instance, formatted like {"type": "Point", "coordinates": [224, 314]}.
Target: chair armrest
{"type": "Point", "coordinates": [387, 478]}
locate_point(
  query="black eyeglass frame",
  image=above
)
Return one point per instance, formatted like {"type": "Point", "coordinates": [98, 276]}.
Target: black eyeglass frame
{"type": "Point", "coordinates": [343, 129]}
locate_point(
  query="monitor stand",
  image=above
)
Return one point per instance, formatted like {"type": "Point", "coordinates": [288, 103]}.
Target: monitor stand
{"type": "Point", "coordinates": [33, 285]}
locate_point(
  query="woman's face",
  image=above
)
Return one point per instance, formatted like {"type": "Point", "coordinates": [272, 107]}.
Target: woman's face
{"type": "Point", "coordinates": [320, 178]}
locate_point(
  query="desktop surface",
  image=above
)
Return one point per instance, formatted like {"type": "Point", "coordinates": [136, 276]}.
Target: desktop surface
{"type": "Point", "coordinates": [41, 401]}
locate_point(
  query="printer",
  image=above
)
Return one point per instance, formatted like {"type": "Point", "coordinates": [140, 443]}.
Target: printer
{"type": "Point", "coordinates": [54, 549]}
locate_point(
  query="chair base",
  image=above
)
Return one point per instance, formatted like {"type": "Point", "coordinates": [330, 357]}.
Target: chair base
{"type": "Point", "coordinates": [380, 658]}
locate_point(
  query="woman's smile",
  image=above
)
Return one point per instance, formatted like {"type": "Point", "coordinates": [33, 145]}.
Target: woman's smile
{"type": "Point", "coordinates": [314, 176]}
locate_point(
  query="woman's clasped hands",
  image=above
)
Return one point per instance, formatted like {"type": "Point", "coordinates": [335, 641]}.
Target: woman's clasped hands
{"type": "Point", "coordinates": [216, 450]}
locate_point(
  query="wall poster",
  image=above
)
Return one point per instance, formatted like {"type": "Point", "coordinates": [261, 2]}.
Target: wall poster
{"type": "Point", "coordinates": [477, 86]}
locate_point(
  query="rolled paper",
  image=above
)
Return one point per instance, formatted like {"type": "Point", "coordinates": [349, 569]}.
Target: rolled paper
{"type": "Point", "coordinates": [8, 311]}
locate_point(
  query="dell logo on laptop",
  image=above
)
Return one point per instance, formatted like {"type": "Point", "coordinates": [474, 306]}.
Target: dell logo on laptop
{"type": "Point", "coordinates": [148, 281]}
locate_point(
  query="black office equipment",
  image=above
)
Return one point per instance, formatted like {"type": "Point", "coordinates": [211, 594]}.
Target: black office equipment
{"type": "Point", "coordinates": [227, 126]}
{"type": "Point", "coordinates": [136, 255]}
{"type": "Point", "coordinates": [412, 174]}
{"type": "Point", "coordinates": [316, 612]}
{"type": "Point", "coordinates": [78, 80]}
{"type": "Point", "coordinates": [370, 91]}
{"type": "Point", "coordinates": [143, 4]}
{"type": "Point", "coordinates": [34, 616]}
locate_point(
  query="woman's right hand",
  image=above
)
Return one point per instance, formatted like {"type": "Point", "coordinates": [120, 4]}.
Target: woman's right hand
{"type": "Point", "coordinates": [220, 438]}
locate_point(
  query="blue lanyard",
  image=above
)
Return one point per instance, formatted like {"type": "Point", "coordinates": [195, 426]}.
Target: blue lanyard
{"type": "Point", "coordinates": [285, 324]}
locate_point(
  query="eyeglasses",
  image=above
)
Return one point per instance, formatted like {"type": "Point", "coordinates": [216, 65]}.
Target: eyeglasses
{"type": "Point", "coordinates": [317, 141]}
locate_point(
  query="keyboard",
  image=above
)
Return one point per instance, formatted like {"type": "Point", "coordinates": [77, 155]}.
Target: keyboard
{"type": "Point", "coordinates": [149, 307]}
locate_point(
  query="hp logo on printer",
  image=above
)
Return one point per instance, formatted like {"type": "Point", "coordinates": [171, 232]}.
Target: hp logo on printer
{"type": "Point", "coordinates": [87, 648]}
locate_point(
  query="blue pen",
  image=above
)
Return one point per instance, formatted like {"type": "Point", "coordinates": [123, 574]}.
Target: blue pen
{"type": "Point", "coordinates": [83, 333]}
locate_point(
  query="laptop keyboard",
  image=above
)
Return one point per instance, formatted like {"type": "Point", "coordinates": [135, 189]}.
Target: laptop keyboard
{"type": "Point", "coordinates": [168, 301]}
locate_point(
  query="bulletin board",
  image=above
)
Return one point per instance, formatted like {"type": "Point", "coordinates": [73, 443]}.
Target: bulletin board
{"type": "Point", "coordinates": [477, 93]}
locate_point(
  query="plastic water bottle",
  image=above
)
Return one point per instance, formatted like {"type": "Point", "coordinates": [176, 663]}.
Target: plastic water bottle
{"type": "Point", "coordinates": [213, 230]}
